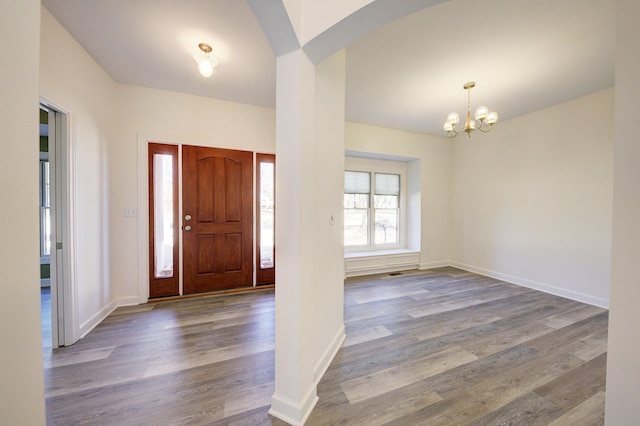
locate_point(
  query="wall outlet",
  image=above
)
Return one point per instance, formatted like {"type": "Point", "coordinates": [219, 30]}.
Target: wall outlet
{"type": "Point", "coordinates": [130, 212]}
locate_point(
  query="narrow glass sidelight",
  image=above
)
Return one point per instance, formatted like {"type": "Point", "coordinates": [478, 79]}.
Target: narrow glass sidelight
{"type": "Point", "coordinates": [267, 217]}
{"type": "Point", "coordinates": [164, 268]}
{"type": "Point", "coordinates": [164, 227]}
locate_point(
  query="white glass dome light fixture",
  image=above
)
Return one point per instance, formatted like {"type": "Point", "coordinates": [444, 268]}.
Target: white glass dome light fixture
{"type": "Point", "coordinates": [206, 61]}
{"type": "Point", "coordinates": [483, 117]}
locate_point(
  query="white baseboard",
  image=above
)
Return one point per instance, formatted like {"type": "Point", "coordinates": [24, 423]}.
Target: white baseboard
{"type": "Point", "coordinates": [127, 301]}
{"type": "Point", "coordinates": [546, 288]}
{"type": "Point", "coordinates": [97, 318]}
{"type": "Point", "coordinates": [296, 413]}
{"type": "Point", "coordinates": [329, 354]}
{"type": "Point", "coordinates": [292, 412]}
{"type": "Point", "coordinates": [431, 265]}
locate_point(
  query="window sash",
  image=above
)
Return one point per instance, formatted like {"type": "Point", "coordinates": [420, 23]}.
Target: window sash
{"type": "Point", "coordinates": [356, 227]}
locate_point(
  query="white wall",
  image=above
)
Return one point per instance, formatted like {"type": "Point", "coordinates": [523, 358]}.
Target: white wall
{"type": "Point", "coordinates": [433, 161]}
{"type": "Point", "coordinates": [328, 203]}
{"type": "Point", "coordinates": [21, 373]}
{"type": "Point", "coordinates": [72, 81]}
{"type": "Point", "coordinates": [531, 201]}
{"type": "Point", "coordinates": [623, 368]}
{"type": "Point", "coordinates": [168, 117]}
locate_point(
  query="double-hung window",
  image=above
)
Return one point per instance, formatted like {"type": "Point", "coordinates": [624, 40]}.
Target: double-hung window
{"type": "Point", "coordinates": [371, 209]}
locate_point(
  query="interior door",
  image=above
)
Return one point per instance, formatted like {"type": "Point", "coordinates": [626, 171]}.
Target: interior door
{"type": "Point", "coordinates": [217, 219]}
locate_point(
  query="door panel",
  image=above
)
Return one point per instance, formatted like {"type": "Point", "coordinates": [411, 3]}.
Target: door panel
{"type": "Point", "coordinates": [217, 223]}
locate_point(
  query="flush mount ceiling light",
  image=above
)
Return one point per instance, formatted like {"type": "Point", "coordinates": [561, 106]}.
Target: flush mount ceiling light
{"type": "Point", "coordinates": [206, 61]}
{"type": "Point", "coordinates": [482, 118]}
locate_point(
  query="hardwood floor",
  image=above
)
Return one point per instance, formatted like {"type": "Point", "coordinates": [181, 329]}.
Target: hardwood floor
{"type": "Point", "coordinates": [426, 347]}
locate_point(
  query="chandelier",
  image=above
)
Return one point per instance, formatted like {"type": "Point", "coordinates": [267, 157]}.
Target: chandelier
{"type": "Point", "coordinates": [484, 119]}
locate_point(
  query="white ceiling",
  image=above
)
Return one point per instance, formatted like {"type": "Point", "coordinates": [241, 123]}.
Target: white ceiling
{"type": "Point", "coordinates": [523, 54]}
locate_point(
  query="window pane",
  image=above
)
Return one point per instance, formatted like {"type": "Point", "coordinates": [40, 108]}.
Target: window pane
{"type": "Point", "coordinates": [45, 211]}
{"type": "Point", "coordinates": [267, 201]}
{"type": "Point", "coordinates": [387, 184]}
{"type": "Point", "coordinates": [356, 224]}
{"type": "Point", "coordinates": [356, 201]}
{"type": "Point", "coordinates": [357, 182]}
{"type": "Point", "coordinates": [386, 226]}
{"type": "Point", "coordinates": [386, 201]}
{"type": "Point", "coordinates": [46, 198]}
{"type": "Point", "coordinates": [45, 231]}
{"type": "Point", "coordinates": [163, 215]}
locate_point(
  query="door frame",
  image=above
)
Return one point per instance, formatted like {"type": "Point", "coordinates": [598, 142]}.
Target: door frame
{"type": "Point", "coordinates": [177, 188]}
{"type": "Point", "coordinates": [65, 329]}
{"type": "Point", "coordinates": [143, 204]}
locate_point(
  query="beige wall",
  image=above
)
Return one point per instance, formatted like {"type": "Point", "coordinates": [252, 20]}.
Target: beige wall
{"type": "Point", "coordinates": [328, 203]}
{"type": "Point", "coordinates": [623, 368]}
{"type": "Point", "coordinates": [531, 201]}
{"type": "Point", "coordinates": [73, 82]}
{"type": "Point", "coordinates": [21, 373]}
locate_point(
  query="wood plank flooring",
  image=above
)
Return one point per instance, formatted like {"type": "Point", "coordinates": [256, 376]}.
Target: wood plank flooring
{"type": "Point", "coordinates": [438, 347]}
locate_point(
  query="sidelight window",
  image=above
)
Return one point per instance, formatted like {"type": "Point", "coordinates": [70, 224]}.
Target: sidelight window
{"type": "Point", "coordinates": [163, 215]}
{"type": "Point", "coordinates": [164, 270]}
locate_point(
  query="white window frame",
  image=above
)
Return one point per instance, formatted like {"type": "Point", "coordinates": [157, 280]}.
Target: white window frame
{"type": "Point", "coordinates": [44, 206]}
{"type": "Point", "coordinates": [373, 166]}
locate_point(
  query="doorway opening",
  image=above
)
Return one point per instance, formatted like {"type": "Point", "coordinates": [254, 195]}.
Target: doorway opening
{"type": "Point", "coordinates": [54, 240]}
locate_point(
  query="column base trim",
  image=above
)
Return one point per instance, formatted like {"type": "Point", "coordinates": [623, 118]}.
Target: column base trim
{"type": "Point", "coordinates": [292, 412]}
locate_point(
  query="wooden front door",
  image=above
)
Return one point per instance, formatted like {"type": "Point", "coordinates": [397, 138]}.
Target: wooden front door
{"type": "Point", "coordinates": [217, 218]}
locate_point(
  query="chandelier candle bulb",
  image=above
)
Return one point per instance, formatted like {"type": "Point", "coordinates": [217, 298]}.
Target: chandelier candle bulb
{"type": "Point", "coordinates": [481, 113]}
{"type": "Point", "coordinates": [453, 118]}
{"type": "Point", "coordinates": [492, 118]}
